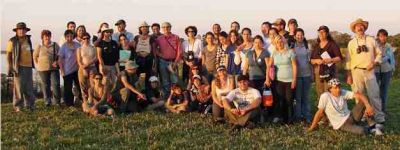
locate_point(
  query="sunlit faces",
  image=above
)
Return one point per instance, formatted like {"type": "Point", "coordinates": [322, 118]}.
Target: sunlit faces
{"type": "Point", "coordinates": [382, 38]}
{"type": "Point", "coordinates": [21, 32]}
{"type": "Point", "coordinates": [69, 37]}
{"type": "Point", "coordinates": [123, 40]}
{"type": "Point", "coordinates": [197, 82]}
{"type": "Point", "coordinates": [86, 39]}
{"type": "Point", "coordinates": [144, 30]}
{"type": "Point", "coordinates": [80, 31]}
{"type": "Point", "coordinates": [107, 34]}
{"type": "Point", "coordinates": [223, 40]}
{"type": "Point", "coordinates": [233, 37]}
{"type": "Point", "coordinates": [216, 28]}
{"type": "Point", "coordinates": [265, 29]}
{"type": "Point", "coordinates": [299, 36]}
{"type": "Point", "coordinates": [155, 29]}
{"type": "Point", "coordinates": [71, 26]}
{"type": "Point", "coordinates": [222, 73]}
{"type": "Point", "coordinates": [235, 26]}
{"type": "Point", "coordinates": [154, 84]}
{"type": "Point", "coordinates": [131, 71]}
{"type": "Point", "coordinates": [246, 35]}
{"type": "Point", "coordinates": [121, 27]}
{"type": "Point", "coordinates": [272, 33]}
{"type": "Point", "coordinates": [258, 43]}
{"type": "Point", "coordinates": [322, 35]}
{"type": "Point", "coordinates": [46, 38]}
{"type": "Point", "coordinates": [166, 29]}
{"type": "Point", "coordinates": [209, 39]}
{"type": "Point", "coordinates": [243, 85]}
{"type": "Point", "coordinates": [335, 90]}
{"type": "Point", "coordinates": [97, 79]}
{"type": "Point", "coordinates": [279, 43]}
{"type": "Point", "coordinates": [360, 29]}
{"type": "Point", "coordinates": [292, 26]}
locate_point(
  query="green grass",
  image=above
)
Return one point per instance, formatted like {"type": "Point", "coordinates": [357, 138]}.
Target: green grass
{"type": "Point", "coordinates": [55, 128]}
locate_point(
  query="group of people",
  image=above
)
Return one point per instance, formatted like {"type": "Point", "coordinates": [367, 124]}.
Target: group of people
{"type": "Point", "coordinates": [228, 74]}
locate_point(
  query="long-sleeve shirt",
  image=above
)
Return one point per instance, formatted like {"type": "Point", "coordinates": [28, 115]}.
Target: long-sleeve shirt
{"type": "Point", "coordinates": [362, 59]}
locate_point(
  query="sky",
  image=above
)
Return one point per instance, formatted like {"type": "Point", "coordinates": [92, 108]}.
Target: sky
{"type": "Point", "coordinates": [310, 14]}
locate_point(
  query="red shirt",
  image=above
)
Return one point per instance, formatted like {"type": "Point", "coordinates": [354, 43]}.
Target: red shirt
{"type": "Point", "coordinates": [169, 47]}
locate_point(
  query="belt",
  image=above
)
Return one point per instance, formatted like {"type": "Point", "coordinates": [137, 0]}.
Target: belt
{"type": "Point", "coordinates": [360, 68]}
{"type": "Point", "coordinates": [167, 59]}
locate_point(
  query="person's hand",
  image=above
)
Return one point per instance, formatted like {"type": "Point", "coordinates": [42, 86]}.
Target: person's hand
{"type": "Point", "coordinates": [102, 71]}
{"type": "Point", "coordinates": [349, 80]}
{"type": "Point", "coordinates": [235, 111]}
{"type": "Point", "coordinates": [293, 85]}
{"type": "Point", "coordinates": [242, 112]}
{"type": "Point", "coordinates": [319, 62]}
{"type": "Point", "coordinates": [371, 66]}
{"type": "Point", "coordinates": [267, 82]}
{"type": "Point", "coordinates": [54, 64]}
{"type": "Point", "coordinates": [141, 96]}
{"type": "Point", "coordinates": [62, 72]}
{"type": "Point", "coordinates": [369, 111]}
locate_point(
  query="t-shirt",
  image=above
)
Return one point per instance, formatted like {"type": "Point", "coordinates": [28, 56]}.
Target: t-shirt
{"type": "Point", "coordinates": [150, 93]}
{"type": "Point", "coordinates": [283, 65]}
{"type": "Point", "coordinates": [257, 66]}
{"type": "Point", "coordinates": [109, 52]}
{"type": "Point", "coordinates": [209, 57]}
{"type": "Point", "coordinates": [331, 47]}
{"type": "Point", "coordinates": [46, 56]}
{"type": "Point", "coordinates": [68, 55]}
{"type": "Point", "coordinates": [336, 107]}
{"type": "Point", "coordinates": [242, 99]}
{"type": "Point", "coordinates": [303, 61]}
{"type": "Point", "coordinates": [221, 55]}
{"type": "Point", "coordinates": [88, 54]}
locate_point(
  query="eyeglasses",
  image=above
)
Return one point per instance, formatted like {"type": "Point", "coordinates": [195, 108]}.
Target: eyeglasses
{"type": "Point", "coordinates": [362, 48]}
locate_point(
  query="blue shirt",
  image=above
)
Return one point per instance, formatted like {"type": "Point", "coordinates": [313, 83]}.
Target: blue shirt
{"type": "Point", "coordinates": [283, 65]}
{"type": "Point", "coordinates": [232, 68]}
{"type": "Point", "coordinates": [68, 55]}
{"type": "Point", "coordinates": [257, 66]}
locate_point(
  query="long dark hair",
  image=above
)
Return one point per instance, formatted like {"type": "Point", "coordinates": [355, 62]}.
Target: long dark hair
{"type": "Point", "coordinates": [328, 38]}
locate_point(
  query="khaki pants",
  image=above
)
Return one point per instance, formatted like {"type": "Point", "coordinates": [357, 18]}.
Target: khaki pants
{"type": "Point", "coordinates": [84, 81]}
{"type": "Point", "coordinates": [364, 81]}
{"type": "Point", "coordinates": [241, 120]}
{"type": "Point", "coordinates": [356, 115]}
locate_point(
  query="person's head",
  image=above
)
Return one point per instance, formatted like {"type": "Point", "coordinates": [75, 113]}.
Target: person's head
{"type": "Point", "coordinates": [216, 28]}
{"type": "Point", "coordinates": [235, 26]}
{"type": "Point", "coordinates": [45, 36]}
{"type": "Point", "coordinates": [86, 38]}
{"type": "Point", "coordinates": [209, 38]}
{"type": "Point", "coordinates": [71, 25]}
{"type": "Point", "coordinates": [21, 29]}
{"type": "Point", "coordinates": [323, 34]}
{"type": "Point", "coordinates": [258, 42]}
{"type": "Point", "coordinates": [279, 24]}
{"type": "Point", "coordinates": [191, 31]}
{"type": "Point", "coordinates": [234, 37]}
{"type": "Point", "coordinates": [155, 28]}
{"type": "Point", "coordinates": [130, 67]}
{"type": "Point", "coordinates": [273, 32]}
{"type": "Point", "coordinates": [243, 82]}
{"type": "Point", "coordinates": [334, 86]}
{"type": "Point", "coordinates": [80, 30]}
{"type": "Point", "coordinates": [246, 34]}
{"type": "Point", "coordinates": [176, 89]}
{"type": "Point", "coordinates": [195, 69]}
{"type": "Point", "coordinates": [154, 82]}
{"type": "Point", "coordinates": [69, 35]}
{"type": "Point", "coordinates": [144, 28]}
{"type": "Point", "coordinates": [97, 79]}
{"type": "Point", "coordinates": [223, 38]}
{"type": "Point", "coordinates": [123, 40]}
{"type": "Point", "coordinates": [196, 80]}
{"type": "Point", "coordinates": [106, 32]}
{"type": "Point", "coordinates": [382, 36]}
{"type": "Point", "coordinates": [292, 25]}
{"type": "Point", "coordinates": [359, 26]}
{"type": "Point", "coordinates": [166, 27]}
{"type": "Point", "coordinates": [103, 25]}
{"type": "Point", "coordinates": [279, 42]}
{"type": "Point", "coordinates": [265, 26]}
{"type": "Point", "coordinates": [299, 35]}
{"type": "Point", "coordinates": [121, 25]}
{"type": "Point", "coordinates": [221, 71]}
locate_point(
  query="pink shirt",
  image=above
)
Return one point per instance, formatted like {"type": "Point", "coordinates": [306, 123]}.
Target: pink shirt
{"type": "Point", "coordinates": [169, 47]}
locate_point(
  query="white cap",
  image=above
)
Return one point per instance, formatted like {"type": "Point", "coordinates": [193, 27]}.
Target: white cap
{"type": "Point", "coordinates": [153, 79]}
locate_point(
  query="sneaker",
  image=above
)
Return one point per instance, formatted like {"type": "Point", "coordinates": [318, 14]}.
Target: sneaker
{"type": "Point", "coordinates": [17, 109]}
{"type": "Point", "coordinates": [379, 126]}
{"type": "Point", "coordinates": [275, 120]}
{"type": "Point", "coordinates": [377, 131]}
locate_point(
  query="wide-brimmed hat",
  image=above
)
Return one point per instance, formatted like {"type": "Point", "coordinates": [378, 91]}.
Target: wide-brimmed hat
{"type": "Point", "coordinates": [358, 21]}
{"type": "Point", "coordinates": [131, 65]}
{"type": "Point", "coordinates": [144, 24]}
{"type": "Point", "coordinates": [121, 21]}
{"type": "Point", "coordinates": [21, 25]}
{"type": "Point", "coordinates": [103, 29]}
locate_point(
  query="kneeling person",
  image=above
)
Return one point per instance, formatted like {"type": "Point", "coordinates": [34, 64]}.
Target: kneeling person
{"type": "Point", "coordinates": [97, 103]}
{"type": "Point", "coordinates": [333, 103]}
{"type": "Point", "coordinates": [155, 96]}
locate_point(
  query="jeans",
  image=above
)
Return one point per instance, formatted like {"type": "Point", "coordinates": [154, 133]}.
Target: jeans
{"type": "Point", "coordinates": [51, 83]}
{"type": "Point", "coordinates": [284, 104]}
{"type": "Point", "coordinates": [167, 78]}
{"type": "Point", "coordinates": [356, 114]}
{"type": "Point", "coordinates": [145, 66]}
{"type": "Point", "coordinates": [383, 82]}
{"type": "Point", "coordinates": [302, 97]}
{"type": "Point", "coordinates": [68, 81]}
{"type": "Point", "coordinates": [23, 88]}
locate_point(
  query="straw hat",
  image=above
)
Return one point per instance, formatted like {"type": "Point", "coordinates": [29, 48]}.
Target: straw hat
{"type": "Point", "coordinates": [358, 21]}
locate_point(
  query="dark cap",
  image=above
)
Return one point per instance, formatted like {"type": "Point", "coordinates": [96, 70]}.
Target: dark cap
{"type": "Point", "coordinates": [21, 25]}
{"type": "Point", "coordinates": [323, 27]}
{"type": "Point", "coordinates": [120, 21]}
{"type": "Point", "coordinates": [243, 77]}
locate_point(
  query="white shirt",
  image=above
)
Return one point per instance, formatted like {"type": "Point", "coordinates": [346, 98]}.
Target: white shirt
{"type": "Point", "coordinates": [196, 47]}
{"type": "Point", "coordinates": [242, 99]}
{"type": "Point", "coordinates": [336, 107]}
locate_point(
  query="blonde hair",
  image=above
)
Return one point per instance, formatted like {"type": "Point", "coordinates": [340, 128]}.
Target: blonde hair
{"type": "Point", "coordinates": [277, 39]}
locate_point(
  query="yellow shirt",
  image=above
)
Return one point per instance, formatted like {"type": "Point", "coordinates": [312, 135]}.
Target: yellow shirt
{"type": "Point", "coordinates": [363, 59]}
{"type": "Point", "coordinates": [25, 56]}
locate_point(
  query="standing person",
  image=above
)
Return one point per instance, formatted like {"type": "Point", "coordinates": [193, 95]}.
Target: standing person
{"type": "Point", "coordinates": [71, 25]}
{"type": "Point", "coordinates": [265, 27]}
{"type": "Point", "coordinates": [144, 50]}
{"type": "Point", "coordinates": [245, 47]}
{"type": "Point", "coordinates": [80, 31]}
{"type": "Point", "coordinates": [242, 104]}
{"type": "Point", "coordinates": [20, 64]}
{"type": "Point", "coordinates": [222, 55]}
{"type": "Point", "coordinates": [256, 66]}
{"type": "Point", "coordinates": [304, 74]}
{"type": "Point", "coordinates": [235, 26]}
{"type": "Point", "coordinates": [280, 25]}
{"type": "Point", "coordinates": [121, 29]}
{"type": "Point", "coordinates": [98, 36]}
{"type": "Point", "coordinates": [178, 100]}
{"type": "Point", "coordinates": [234, 38]}
{"type": "Point", "coordinates": [362, 57]}
{"type": "Point", "coordinates": [292, 26]}
{"type": "Point", "coordinates": [273, 32]}
{"type": "Point", "coordinates": [220, 87]}
{"type": "Point", "coordinates": [97, 102]}
{"type": "Point", "coordinates": [216, 30]}
{"type": "Point", "coordinates": [285, 82]}
{"type": "Point", "coordinates": [324, 67]}
{"type": "Point", "coordinates": [334, 104]}
{"type": "Point", "coordinates": [69, 67]}
{"type": "Point", "coordinates": [192, 48]}
{"type": "Point", "coordinates": [233, 69]}
{"type": "Point", "coordinates": [87, 59]}
{"type": "Point", "coordinates": [209, 55]}
{"type": "Point", "coordinates": [126, 51]}
{"type": "Point", "coordinates": [384, 71]}
{"type": "Point", "coordinates": [155, 28]}
{"type": "Point", "coordinates": [45, 57]}
{"type": "Point", "coordinates": [108, 56]}
{"type": "Point", "coordinates": [168, 51]}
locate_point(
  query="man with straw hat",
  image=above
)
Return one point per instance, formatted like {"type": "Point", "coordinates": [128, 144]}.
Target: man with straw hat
{"type": "Point", "coordinates": [20, 63]}
{"type": "Point", "coordinates": [362, 56]}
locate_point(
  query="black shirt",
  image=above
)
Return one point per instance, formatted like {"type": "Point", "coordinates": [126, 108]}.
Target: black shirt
{"type": "Point", "coordinates": [109, 52]}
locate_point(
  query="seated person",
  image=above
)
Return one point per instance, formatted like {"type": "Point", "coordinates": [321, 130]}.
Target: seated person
{"type": "Point", "coordinates": [96, 103]}
{"type": "Point", "coordinates": [200, 95]}
{"type": "Point", "coordinates": [155, 96]}
{"type": "Point", "coordinates": [178, 100]}
{"type": "Point", "coordinates": [125, 93]}
{"type": "Point", "coordinates": [242, 104]}
{"type": "Point", "coordinates": [334, 104]}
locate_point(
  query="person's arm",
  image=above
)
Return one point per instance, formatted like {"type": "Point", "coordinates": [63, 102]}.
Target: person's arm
{"type": "Point", "coordinates": [214, 94]}
{"type": "Point", "coordinates": [61, 61]}
{"type": "Point", "coordinates": [131, 87]}
{"type": "Point", "coordinates": [369, 110]}
{"type": "Point", "coordinates": [178, 50]}
{"type": "Point", "coordinates": [36, 54]}
{"type": "Point", "coordinates": [378, 56]}
{"type": "Point", "coordinates": [100, 59]}
{"type": "Point", "coordinates": [294, 73]}
{"type": "Point", "coordinates": [117, 67]}
{"type": "Point", "coordinates": [245, 66]}
{"type": "Point", "coordinates": [318, 115]}
{"type": "Point", "coordinates": [79, 59]}
{"type": "Point", "coordinates": [267, 79]}
{"type": "Point", "coordinates": [256, 103]}
{"type": "Point", "coordinates": [227, 106]}
{"type": "Point", "coordinates": [349, 79]}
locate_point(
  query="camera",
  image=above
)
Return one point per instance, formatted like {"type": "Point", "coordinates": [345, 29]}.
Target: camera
{"type": "Point", "coordinates": [362, 48]}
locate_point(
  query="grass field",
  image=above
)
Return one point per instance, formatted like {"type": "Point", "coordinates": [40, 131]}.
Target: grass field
{"type": "Point", "coordinates": [69, 128]}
